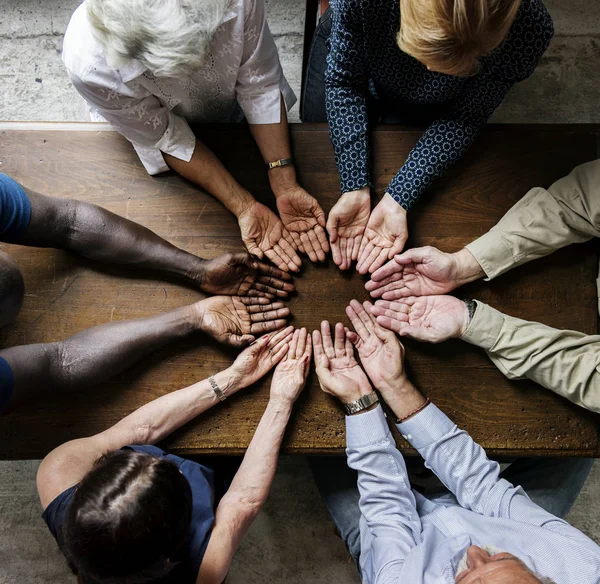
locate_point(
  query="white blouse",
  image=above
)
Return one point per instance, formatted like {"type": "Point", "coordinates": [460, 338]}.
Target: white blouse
{"type": "Point", "coordinates": [152, 113]}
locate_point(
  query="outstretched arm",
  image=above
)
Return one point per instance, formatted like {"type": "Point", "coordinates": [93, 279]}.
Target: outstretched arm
{"type": "Point", "coordinates": [66, 465]}
{"type": "Point", "coordinates": [251, 484]}
{"type": "Point", "coordinates": [91, 356]}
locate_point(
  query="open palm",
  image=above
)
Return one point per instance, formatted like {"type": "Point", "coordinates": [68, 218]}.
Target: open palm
{"type": "Point", "coordinates": [304, 219]}
{"type": "Point", "coordinates": [233, 320]}
{"type": "Point", "coordinates": [427, 318]}
{"type": "Point", "coordinates": [263, 234]}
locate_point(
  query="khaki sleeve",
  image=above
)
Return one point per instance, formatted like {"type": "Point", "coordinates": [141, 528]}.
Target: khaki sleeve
{"type": "Point", "coordinates": [542, 222]}
{"type": "Point", "coordinates": [566, 362]}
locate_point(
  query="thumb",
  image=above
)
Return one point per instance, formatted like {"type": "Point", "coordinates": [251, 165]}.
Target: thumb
{"type": "Point", "coordinates": [415, 255]}
{"type": "Point", "coordinates": [332, 225]}
{"type": "Point", "coordinates": [254, 249]}
{"type": "Point", "coordinates": [320, 215]}
{"type": "Point", "coordinates": [240, 340]}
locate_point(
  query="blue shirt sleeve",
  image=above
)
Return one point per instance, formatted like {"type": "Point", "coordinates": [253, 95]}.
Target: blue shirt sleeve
{"type": "Point", "coordinates": [54, 515]}
{"type": "Point", "coordinates": [15, 210]}
{"type": "Point", "coordinates": [7, 382]}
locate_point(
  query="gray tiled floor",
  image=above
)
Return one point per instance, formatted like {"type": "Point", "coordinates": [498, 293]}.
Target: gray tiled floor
{"type": "Point", "coordinates": [293, 540]}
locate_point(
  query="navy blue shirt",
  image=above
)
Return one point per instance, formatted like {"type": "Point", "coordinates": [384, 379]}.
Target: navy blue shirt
{"type": "Point", "coordinates": [201, 480]}
{"type": "Point", "coordinates": [365, 61]}
{"type": "Point", "coordinates": [7, 382]}
{"type": "Point", "coordinates": [15, 210]}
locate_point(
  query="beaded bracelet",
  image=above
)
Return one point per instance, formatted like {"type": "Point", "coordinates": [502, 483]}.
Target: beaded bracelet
{"type": "Point", "coordinates": [419, 409]}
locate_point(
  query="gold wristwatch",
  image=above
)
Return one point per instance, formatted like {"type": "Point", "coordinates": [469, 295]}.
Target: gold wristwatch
{"type": "Point", "coordinates": [280, 162]}
{"type": "Point", "coordinates": [362, 403]}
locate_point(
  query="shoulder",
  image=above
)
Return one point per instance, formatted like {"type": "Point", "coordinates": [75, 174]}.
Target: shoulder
{"type": "Point", "coordinates": [82, 54]}
{"type": "Point", "coordinates": [527, 40]}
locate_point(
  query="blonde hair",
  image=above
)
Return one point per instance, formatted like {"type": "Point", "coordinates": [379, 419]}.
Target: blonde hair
{"type": "Point", "coordinates": [169, 37]}
{"type": "Point", "coordinates": [449, 36]}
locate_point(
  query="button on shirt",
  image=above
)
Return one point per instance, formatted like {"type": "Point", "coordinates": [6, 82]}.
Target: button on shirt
{"type": "Point", "coordinates": [153, 113]}
{"type": "Point", "coordinates": [365, 61]}
{"type": "Point", "coordinates": [407, 538]}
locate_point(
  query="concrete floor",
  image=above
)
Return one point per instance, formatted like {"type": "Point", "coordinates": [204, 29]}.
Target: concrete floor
{"type": "Point", "coordinates": [293, 540]}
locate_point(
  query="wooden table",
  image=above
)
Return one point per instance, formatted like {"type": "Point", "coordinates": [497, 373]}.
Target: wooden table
{"type": "Point", "coordinates": [65, 294]}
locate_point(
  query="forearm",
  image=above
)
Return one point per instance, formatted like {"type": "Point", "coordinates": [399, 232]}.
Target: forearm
{"type": "Point", "coordinates": [273, 141]}
{"type": "Point", "coordinates": [542, 222]}
{"type": "Point", "coordinates": [98, 234]}
{"type": "Point", "coordinates": [206, 170]}
{"type": "Point", "coordinates": [96, 354]}
{"type": "Point", "coordinates": [251, 484]}
{"type": "Point", "coordinates": [563, 361]}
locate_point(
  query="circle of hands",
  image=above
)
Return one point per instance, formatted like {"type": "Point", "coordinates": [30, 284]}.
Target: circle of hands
{"type": "Point", "coordinates": [410, 292]}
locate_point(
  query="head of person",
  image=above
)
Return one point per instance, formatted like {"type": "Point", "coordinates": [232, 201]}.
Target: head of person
{"type": "Point", "coordinates": [128, 518]}
{"type": "Point", "coordinates": [449, 36]}
{"type": "Point", "coordinates": [491, 566]}
{"type": "Point", "coordinates": [169, 37]}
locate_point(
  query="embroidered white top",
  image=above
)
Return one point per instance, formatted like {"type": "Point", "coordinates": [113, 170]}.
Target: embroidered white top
{"type": "Point", "coordinates": [153, 113]}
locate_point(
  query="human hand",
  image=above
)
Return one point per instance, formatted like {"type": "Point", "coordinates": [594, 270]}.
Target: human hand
{"type": "Point", "coordinates": [263, 234]}
{"type": "Point", "coordinates": [304, 219]}
{"type": "Point", "coordinates": [423, 271]}
{"type": "Point", "coordinates": [256, 360]}
{"type": "Point", "coordinates": [427, 318]}
{"type": "Point", "coordinates": [290, 375]}
{"type": "Point", "coordinates": [346, 225]}
{"type": "Point", "coordinates": [240, 274]}
{"type": "Point", "coordinates": [338, 372]}
{"type": "Point", "coordinates": [381, 353]}
{"type": "Point", "coordinates": [233, 320]}
{"type": "Point", "coordinates": [385, 235]}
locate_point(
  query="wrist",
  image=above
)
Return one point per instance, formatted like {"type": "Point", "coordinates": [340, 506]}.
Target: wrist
{"type": "Point", "coordinates": [396, 384]}
{"type": "Point", "coordinates": [466, 267]}
{"type": "Point", "coordinates": [355, 394]}
{"type": "Point", "coordinates": [280, 404]}
{"type": "Point", "coordinates": [359, 195]}
{"type": "Point", "coordinates": [227, 381]}
{"type": "Point", "coordinates": [241, 203]}
{"type": "Point", "coordinates": [283, 180]}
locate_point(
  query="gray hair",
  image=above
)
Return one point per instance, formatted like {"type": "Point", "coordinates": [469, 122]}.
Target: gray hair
{"type": "Point", "coordinates": [169, 37]}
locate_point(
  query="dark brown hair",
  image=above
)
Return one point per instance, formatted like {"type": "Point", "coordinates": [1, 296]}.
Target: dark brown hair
{"type": "Point", "coordinates": [128, 518]}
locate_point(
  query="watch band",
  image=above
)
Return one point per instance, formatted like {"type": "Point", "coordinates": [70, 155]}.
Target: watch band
{"type": "Point", "coordinates": [280, 162]}
{"type": "Point", "coordinates": [218, 391]}
{"type": "Point", "coordinates": [362, 403]}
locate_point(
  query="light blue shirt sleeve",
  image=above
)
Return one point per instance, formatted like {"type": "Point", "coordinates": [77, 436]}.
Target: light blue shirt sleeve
{"type": "Point", "coordinates": [390, 525]}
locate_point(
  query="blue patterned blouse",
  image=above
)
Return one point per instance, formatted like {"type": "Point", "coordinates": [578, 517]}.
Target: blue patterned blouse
{"type": "Point", "coordinates": [365, 62]}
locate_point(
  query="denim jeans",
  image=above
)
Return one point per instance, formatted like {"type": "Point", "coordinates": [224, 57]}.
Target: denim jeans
{"type": "Point", "coordinates": [552, 483]}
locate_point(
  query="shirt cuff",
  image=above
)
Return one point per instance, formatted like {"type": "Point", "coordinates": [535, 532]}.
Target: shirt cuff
{"type": "Point", "coordinates": [367, 428]}
{"type": "Point", "coordinates": [178, 141]}
{"type": "Point", "coordinates": [492, 254]}
{"type": "Point", "coordinates": [265, 108]}
{"type": "Point", "coordinates": [426, 427]}
{"type": "Point", "coordinates": [485, 327]}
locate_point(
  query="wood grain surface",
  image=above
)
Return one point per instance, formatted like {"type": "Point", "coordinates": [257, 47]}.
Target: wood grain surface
{"type": "Point", "coordinates": [66, 294]}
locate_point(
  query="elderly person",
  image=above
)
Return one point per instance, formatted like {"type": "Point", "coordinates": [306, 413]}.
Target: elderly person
{"type": "Point", "coordinates": [444, 64]}
{"type": "Point", "coordinates": [123, 510]}
{"type": "Point", "coordinates": [483, 528]}
{"type": "Point", "coordinates": [33, 219]}
{"type": "Point", "coordinates": [149, 68]}
{"type": "Point", "coordinates": [412, 290]}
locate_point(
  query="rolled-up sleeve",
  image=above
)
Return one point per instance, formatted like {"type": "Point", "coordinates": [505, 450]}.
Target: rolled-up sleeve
{"type": "Point", "coordinates": [260, 79]}
{"type": "Point", "coordinates": [141, 118]}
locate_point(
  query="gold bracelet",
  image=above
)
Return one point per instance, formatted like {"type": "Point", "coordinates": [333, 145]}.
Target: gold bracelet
{"type": "Point", "coordinates": [419, 409]}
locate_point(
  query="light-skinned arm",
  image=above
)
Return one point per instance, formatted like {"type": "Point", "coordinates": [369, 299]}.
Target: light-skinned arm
{"type": "Point", "coordinates": [66, 465]}
{"type": "Point", "coordinates": [252, 483]}
{"type": "Point", "coordinates": [92, 356]}
{"type": "Point", "coordinates": [390, 525]}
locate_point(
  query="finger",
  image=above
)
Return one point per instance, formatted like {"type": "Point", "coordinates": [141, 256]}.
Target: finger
{"type": "Point", "coordinates": [327, 342]}
{"type": "Point", "coordinates": [269, 315]}
{"type": "Point", "coordinates": [297, 241]}
{"type": "Point", "coordinates": [278, 337]}
{"type": "Point", "coordinates": [349, 244]}
{"type": "Point", "coordinates": [390, 324]}
{"type": "Point", "coordinates": [397, 247]}
{"type": "Point", "coordinates": [352, 337]}
{"type": "Point", "coordinates": [343, 260]}
{"type": "Point", "coordinates": [399, 294]}
{"type": "Point", "coordinates": [316, 245]}
{"type": "Point", "coordinates": [336, 253]}
{"type": "Point", "coordinates": [356, 246]}
{"type": "Point", "coordinates": [365, 241]}
{"type": "Point", "coordinates": [279, 354]}
{"type": "Point", "coordinates": [321, 359]}
{"type": "Point", "coordinates": [308, 346]}
{"type": "Point", "coordinates": [254, 300]}
{"type": "Point", "coordinates": [240, 340]}
{"type": "Point", "coordinates": [308, 247]}
{"type": "Point", "coordinates": [380, 260]}
{"type": "Point", "coordinates": [322, 237]}
{"type": "Point", "coordinates": [363, 315]}
{"type": "Point", "coordinates": [301, 344]}
{"type": "Point", "coordinates": [402, 305]}
{"type": "Point", "coordinates": [257, 293]}
{"type": "Point", "coordinates": [365, 252]}
{"type": "Point", "coordinates": [258, 328]}
{"type": "Point", "coordinates": [389, 280]}
{"type": "Point", "coordinates": [273, 282]}
{"type": "Point", "coordinates": [357, 323]}
{"type": "Point", "coordinates": [349, 348]}
{"type": "Point", "coordinates": [332, 225]}
{"type": "Point", "coordinates": [293, 345]}
{"type": "Point", "coordinates": [277, 260]}
{"type": "Point", "coordinates": [367, 260]}
{"type": "Point", "coordinates": [416, 332]}
{"type": "Point", "coordinates": [256, 308]}
{"type": "Point", "coordinates": [340, 340]}
{"type": "Point", "coordinates": [320, 217]}
{"type": "Point", "coordinates": [269, 290]}
{"type": "Point", "coordinates": [399, 316]}
{"type": "Point", "coordinates": [387, 270]}
{"type": "Point", "coordinates": [294, 262]}
{"type": "Point", "coordinates": [416, 255]}
{"type": "Point", "coordinates": [272, 272]}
